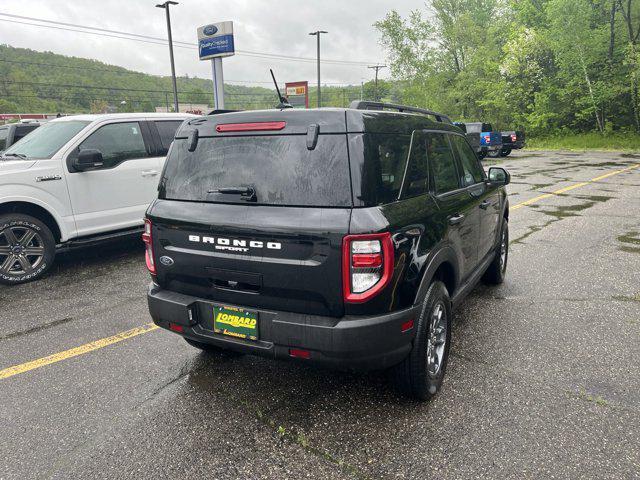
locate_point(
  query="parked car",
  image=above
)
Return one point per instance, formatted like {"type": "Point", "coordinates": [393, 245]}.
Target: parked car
{"type": "Point", "coordinates": [473, 139]}
{"type": "Point", "coordinates": [76, 181]}
{"type": "Point", "coordinates": [489, 139]}
{"type": "Point", "coordinates": [512, 140]}
{"type": "Point", "coordinates": [11, 133]}
{"type": "Point", "coordinates": [344, 237]}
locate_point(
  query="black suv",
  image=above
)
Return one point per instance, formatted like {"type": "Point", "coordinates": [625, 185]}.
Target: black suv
{"type": "Point", "coordinates": [339, 236]}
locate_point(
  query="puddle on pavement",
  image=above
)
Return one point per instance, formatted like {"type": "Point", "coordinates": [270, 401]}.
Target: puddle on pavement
{"type": "Point", "coordinates": [629, 242]}
{"type": "Point", "coordinates": [565, 211]}
{"type": "Point", "coordinates": [558, 213]}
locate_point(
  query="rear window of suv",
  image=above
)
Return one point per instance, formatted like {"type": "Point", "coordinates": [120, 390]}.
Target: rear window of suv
{"type": "Point", "coordinates": [280, 168]}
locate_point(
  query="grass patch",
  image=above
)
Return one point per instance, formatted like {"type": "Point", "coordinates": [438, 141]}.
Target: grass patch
{"type": "Point", "coordinates": [627, 142]}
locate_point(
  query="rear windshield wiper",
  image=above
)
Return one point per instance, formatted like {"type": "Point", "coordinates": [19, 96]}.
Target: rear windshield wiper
{"type": "Point", "coordinates": [247, 193]}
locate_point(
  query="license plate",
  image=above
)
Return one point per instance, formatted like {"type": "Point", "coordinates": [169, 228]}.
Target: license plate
{"type": "Point", "coordinates": [235, 322]}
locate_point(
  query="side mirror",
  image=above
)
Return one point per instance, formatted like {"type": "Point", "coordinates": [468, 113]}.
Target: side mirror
{"type": "Point", "coordinates": [499, 176]}
{"type": "Point", "coordinates": [88, 159]}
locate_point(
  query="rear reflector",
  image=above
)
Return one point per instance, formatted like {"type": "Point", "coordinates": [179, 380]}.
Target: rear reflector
{"type": "Point", "coordinates": [408, 325]}
{"type": "Point", "coordinates": [299, 353]}
{"type": "Point", "coordinates": [176, 328]}
{"type": "Point", "coordinates": [250, 127]}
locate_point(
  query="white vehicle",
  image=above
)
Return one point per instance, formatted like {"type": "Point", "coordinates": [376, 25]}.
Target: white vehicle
{"type": "Point", "coordinates": [75, 181]}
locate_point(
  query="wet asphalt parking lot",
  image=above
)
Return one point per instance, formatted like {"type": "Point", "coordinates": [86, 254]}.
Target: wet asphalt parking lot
{"type": "Point", "coordinates": [543, 379]}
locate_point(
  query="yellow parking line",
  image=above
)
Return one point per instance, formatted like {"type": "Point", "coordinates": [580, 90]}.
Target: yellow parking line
{"type": "Point", "coordinates": [74, 352]}
{"type": "Point", "coordinates": [571, 187]}
{"type": "Point", "coordinates": [149, 327]}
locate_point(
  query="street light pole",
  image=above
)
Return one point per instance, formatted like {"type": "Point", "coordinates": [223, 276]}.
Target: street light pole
{"type": "Point", "coordinates": [165, 5]}
{"type": "Point", "coordinates": [317, 34]}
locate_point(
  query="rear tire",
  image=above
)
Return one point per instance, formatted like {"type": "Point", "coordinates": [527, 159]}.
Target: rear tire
{"type": "Point", "coordinates": [212, 349]}
{"type": "Point", "coordinates": [27, 249]}
{"type": "Point", "coordinates": [493, 153]}
{"type": "Point", "coordinates": [420, 375]}
{"type": "Point", "coordinates": [497, 270]}
{"type": "Point", "coordinates": [505, 152]}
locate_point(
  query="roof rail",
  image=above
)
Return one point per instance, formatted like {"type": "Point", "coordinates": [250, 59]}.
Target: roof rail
{"type": "Point", "coordinates": [366, 105]}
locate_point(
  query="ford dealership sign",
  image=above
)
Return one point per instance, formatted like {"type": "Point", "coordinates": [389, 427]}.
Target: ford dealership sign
{"type": "Point", "coordinates": [216, 40]}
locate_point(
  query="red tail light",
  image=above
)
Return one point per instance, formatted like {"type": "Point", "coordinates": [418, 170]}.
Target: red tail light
{"type": "Point", "coordinates": [148, 244]}
{"type": "Point", "coordinates": [514, 137]}
{"type": "Point", "coordinates": [250, 127]}
{"type": "Point", "coordinates": [367, 265]}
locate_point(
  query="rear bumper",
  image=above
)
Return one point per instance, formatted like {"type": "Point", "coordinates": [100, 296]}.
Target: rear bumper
{"type": "Point", "coordinates": [513, 146]}
{"type": "Point", "coordinates": [350, 342]}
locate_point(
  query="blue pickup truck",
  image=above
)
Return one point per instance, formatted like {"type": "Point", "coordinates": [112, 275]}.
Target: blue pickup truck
{"type": "Point", "coordinates": [490, 141]}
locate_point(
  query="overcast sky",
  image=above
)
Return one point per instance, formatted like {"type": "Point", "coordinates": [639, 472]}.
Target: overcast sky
{"type": "Point", "coordinates": [278, 26]}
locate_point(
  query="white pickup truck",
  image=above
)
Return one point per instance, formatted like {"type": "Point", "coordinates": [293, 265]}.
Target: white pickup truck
{"type": "Point", "coordinates": [76, 181]}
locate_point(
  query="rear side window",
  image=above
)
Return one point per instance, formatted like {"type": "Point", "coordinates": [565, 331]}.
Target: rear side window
{"type": "Point", "coordinates": [167, 130]}
{"type": "Point", "coordinates": [4, 133]}
{"type": "Point", "coordinates": [471, 169]}
{"type": "Point", "coordinates": [442, 161]}
{"type": "Point", "coordinates": [117, 142]}
{"type": "Point", "coordinates": [384, 163]}
{"type": "Point", "coordinates": [417, 180]}
{"type": "Point", "coordinates": [280, 169]}
{"type": "Point", "coordinates": [22, 131]}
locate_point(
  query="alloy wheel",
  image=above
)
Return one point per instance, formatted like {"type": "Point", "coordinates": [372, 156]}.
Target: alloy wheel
{"type": "Point", "coordinates": [21, 250]}
{"type": "Point", "coordinates": [437, 338]}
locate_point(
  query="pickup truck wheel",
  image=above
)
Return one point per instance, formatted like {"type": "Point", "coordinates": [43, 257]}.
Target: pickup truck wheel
{"type": "Point", "coordinates": [497, 270]}
{"type": "Point", "coordinates": [493, 153]}
{"type": "Point", "coordinates": [212, 349]}
{"type": "Point", "coordinates": [420, 375]}
{"type": "Point", "coordinates": [27, 248]}
{"type": "Point", "coordinates": [505, 152]}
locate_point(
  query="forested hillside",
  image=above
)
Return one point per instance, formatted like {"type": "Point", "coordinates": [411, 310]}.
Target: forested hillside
{"type": "Point", "coordinates": [33, 81]}
{"type": "Point", "coordinates": [546, 65]}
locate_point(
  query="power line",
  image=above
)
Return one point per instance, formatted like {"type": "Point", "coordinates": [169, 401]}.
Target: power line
{"type": "Point", "coordinates": [161, 41]}
{"type": "Point", "coordinates": [92, 87]}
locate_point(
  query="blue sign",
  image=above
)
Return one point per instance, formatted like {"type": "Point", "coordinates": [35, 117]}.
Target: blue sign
{"type": "Point", "coordinates": [210, 30]}
{"type": "Point", "coordinates": [222, 46]}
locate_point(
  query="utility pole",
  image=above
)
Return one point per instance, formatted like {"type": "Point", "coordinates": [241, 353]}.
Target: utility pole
{"type": "Point", "coordinates": [165, 5]}
{"type": "Point", "coordinates": [377, 67]}
{"type": "Point", "coordinates": [317, 34]}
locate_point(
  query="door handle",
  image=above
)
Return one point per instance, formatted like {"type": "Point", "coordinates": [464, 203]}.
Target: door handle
{"type": "Point", "coordinates": [456, 219]}
{"type": "Point", "coordinates": [485, 204]}
{"type": "Point", "coordinates": [149, 173]}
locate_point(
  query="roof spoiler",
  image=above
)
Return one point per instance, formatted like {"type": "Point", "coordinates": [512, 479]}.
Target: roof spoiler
{"type": "Point", "coordinates": [366, 105]}
{"type": "Point", "coordinates": [218, 112]}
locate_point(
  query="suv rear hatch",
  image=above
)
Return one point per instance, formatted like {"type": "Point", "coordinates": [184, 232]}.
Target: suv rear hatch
{"type": "Point", "coordinates": [255, 215]}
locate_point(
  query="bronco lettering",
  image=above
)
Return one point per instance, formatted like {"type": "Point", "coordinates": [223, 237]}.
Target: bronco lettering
{"type": "Point", "coordinates": [234, 245]}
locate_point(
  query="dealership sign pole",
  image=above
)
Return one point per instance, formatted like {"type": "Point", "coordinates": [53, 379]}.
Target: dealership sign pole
{"type": "Point", "coordinates": [215, 41]}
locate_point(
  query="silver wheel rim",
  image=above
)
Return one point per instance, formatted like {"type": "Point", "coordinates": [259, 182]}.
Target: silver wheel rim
{"type": "Point", "coordinates": [21, 250]}
{"type": "Point", "coordinates": [436, 339]}
{"type": "Point", "coordinates": [503, 250]}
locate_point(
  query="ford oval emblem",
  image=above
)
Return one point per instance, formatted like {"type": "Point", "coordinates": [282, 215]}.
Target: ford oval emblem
{"type": "Point", "coordinates": [210, 30]}
{"type": "Point", "coordinates": [166, 261]}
